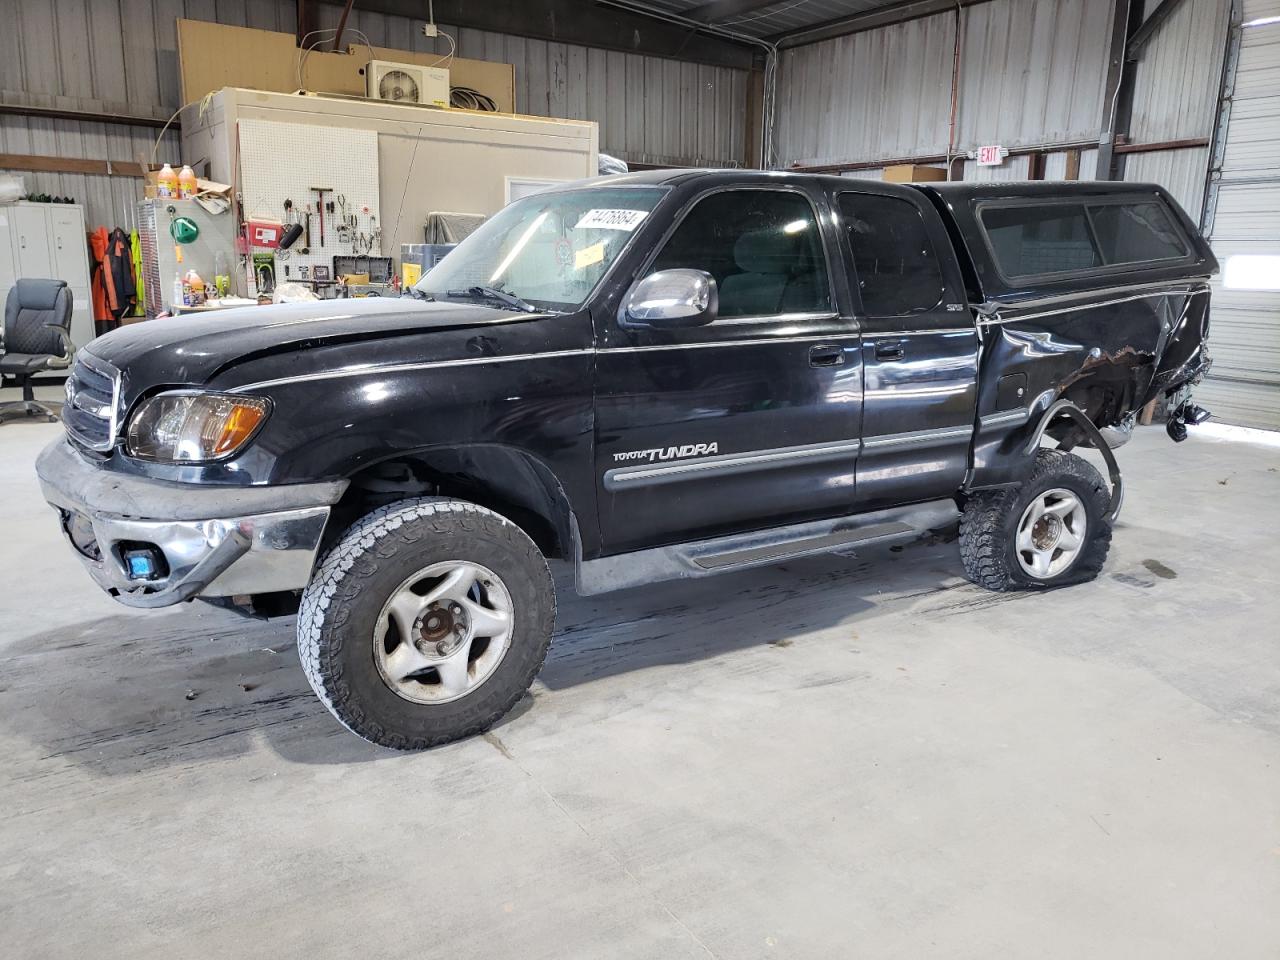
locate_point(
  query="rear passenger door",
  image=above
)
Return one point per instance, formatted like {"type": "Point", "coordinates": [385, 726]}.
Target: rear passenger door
{"type": "Point", "coordinates": [919, 347]}
{"type": "Point", "coordinates": [751, 420]}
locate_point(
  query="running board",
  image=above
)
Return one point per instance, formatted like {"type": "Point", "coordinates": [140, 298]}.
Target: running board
{"type": "Point", "coordinates": [740, 551]}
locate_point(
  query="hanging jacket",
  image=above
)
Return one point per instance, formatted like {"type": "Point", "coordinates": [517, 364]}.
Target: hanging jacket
{"type": "Point", "coordinates": [135, 254]}
{"type": "Point", "coordinates": [120, 260]}
{"type": "Point", "coordinates": [102, 286]}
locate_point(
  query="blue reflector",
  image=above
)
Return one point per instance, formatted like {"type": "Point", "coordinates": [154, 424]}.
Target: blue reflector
{"type": "Point", "coordinates": [141, 566]}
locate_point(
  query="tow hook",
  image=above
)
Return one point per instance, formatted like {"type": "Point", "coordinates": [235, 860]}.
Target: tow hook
{"type": "Point", "coordinates": [1186, 415]}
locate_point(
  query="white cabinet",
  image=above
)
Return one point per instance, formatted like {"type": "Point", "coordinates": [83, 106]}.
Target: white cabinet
{"type": "Point", "coordinates": [48, 240]}
{"type": "Point", "coordinates": [33, 251]}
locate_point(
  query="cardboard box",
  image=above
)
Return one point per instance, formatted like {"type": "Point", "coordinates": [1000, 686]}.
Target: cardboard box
{"type": "Point", "coordinates": [913, 173]}
{"type": "Point", "coordinates": [214, 55]}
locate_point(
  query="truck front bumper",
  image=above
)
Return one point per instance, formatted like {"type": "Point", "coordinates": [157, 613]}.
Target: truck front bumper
{"type": "Point", "coordinates": [152, 543]}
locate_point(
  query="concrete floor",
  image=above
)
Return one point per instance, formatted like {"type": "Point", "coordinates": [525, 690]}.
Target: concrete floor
{"type": "Point", "coordinates": [833, 757]}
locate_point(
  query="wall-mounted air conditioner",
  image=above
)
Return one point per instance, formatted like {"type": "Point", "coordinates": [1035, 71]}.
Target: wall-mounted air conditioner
{"type": "Point", "coordinates": [406, 83]}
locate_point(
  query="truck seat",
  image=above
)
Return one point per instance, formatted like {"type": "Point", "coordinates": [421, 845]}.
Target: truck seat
{"type": "Point", "coordinates": [775, 276]}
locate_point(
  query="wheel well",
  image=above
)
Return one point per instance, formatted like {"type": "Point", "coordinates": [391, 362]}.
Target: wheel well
{"type": "Point", "coordinates": [1105, 400]}
{"type": "Point", "coordinates": [509, 482]}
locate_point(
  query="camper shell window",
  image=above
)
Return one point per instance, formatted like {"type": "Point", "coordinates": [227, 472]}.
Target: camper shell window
{"type": "Point", "coordinates": [1074, 238]}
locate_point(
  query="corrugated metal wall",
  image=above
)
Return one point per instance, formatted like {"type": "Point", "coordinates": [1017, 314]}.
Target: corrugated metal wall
{"type": "Point", "coordinates": [1031, 74]}
{"type": "Point", "coordinates": [1181, 172]}
{"type": "Point", "coordinates": [1176, 80]}
{"type": "Point", "coordinates": [650, 110]}
{"type": "Point", "coordinates": [1176, 97]}
{"type": "Point", "coordinates": [876, 95]}
{"type": "Point", "coordinates": [108, 201]}
{"type": "Point", "coordinates": [120, 57]}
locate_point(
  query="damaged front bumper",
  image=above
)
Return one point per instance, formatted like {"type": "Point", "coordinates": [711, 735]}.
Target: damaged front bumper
{"type": "Point", "coordinates": [152, 543]}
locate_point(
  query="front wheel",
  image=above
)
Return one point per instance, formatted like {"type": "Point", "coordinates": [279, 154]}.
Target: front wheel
{"type": "Point", "coordinates": [1049, 532]}
{"type": "Point", "coordinates": [426, 622]}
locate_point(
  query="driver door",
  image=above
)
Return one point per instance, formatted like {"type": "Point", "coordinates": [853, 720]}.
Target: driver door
{"type": "Point", "coordinates": [747, 422]}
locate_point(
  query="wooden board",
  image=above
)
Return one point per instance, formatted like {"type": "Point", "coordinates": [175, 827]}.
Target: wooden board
{"type": "Point", "coordinates": [214, 55]}
{"type": "Point", "coordinates": [43, 164]}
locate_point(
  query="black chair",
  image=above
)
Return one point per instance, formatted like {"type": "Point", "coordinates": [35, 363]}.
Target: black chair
{"type": "Point", "coordinates": [37, 337]}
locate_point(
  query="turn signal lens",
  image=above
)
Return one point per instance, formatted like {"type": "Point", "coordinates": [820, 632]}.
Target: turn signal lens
{"type": "Point", "coordinates": [194, 427]}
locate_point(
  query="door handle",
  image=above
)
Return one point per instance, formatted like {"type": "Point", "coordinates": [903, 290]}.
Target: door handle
{"type": "Point", "coordinates": [890, 350]}
{"type": "Point", "coordinates": [824, 355]}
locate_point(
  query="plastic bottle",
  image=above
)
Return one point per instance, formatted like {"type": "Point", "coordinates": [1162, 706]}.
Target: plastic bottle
{"type": "Point", "coordinates": [179, 290]}
{"type": "Point", "coordinates": [167, 183]}
{"type": "Point", "coordinates": [187, 183]}
{"type": "Point", "coordinates": [195, 288]}
{"type": "Point", "coordinates": [221, 276]}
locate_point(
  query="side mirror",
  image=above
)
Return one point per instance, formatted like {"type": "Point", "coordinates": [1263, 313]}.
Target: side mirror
{"type": "Point", "coordinates": [670, 299]}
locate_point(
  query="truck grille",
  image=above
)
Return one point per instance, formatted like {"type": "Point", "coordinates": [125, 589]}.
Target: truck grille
{"type": "Point", "coordinates": [93, 390]}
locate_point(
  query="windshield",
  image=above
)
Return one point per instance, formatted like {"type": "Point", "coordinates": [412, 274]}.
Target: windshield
{"type": "Point", "coordinates": [548, 250]}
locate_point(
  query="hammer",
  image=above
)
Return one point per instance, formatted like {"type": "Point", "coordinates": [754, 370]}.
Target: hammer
{"type": "Point", "coordinates": [320, 192]}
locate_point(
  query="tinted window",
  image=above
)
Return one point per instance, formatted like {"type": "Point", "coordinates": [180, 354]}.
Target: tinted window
{"type": "Point", "coordinates": [1134, 232]}
{"type": "Point", "coordinates": [898, 271]}
{"type": "Point", "coordinates": [762, 247]}
{"type": "Point", "coordinates": [1032, 240]}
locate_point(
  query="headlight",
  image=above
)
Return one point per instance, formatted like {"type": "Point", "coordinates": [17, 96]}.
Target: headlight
{"type": "Point", "coordinates": [193, 427]}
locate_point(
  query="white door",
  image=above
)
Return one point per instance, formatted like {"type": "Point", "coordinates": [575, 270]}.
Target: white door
{"type": "Point", "coordinates": [30, 226]}
{"type": "Point", "coordinates": [1244, 337]}
{"type": "Point", "coordinates": [70, 249]}
{"type": "Point", "coordinates": [70, 245]}
{"type": "Point", "coordinates": [8, 259]}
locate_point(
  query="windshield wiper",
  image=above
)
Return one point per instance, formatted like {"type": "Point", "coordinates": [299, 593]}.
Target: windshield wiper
{"type": "Point", "coordinates": [498, 296]}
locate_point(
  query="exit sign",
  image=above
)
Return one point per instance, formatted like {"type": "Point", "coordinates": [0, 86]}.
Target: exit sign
{"type": "Point", "coordinates": [991, 156]}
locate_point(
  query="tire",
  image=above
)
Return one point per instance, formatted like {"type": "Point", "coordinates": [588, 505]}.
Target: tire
{"type": "Point", "coordinates": [349, 620]}
{"type": "Point", "coordinates": [991, 523]}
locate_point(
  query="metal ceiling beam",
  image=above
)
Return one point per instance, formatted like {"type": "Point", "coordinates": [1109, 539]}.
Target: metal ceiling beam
{"type": "Point", "coordinates": [717, 11]}
{"type": "Point", "coordinates": [870, 20]}
{"type": "Point", "coordinates": [1149, 26]}
{"type": "Point", "coordinates": [1126, 18]}
{"type": "Point", "coordinates": [581, 22]}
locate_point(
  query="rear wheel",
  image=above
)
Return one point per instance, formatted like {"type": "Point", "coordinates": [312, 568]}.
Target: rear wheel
{"type": "Point", "coordinates": [1049, 532]}
{"type": "Point", "coordinates": [426, 622]}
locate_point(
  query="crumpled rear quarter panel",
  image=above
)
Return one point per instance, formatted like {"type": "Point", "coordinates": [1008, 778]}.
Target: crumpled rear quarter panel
{"type": "Point", "coordinates": [1109, 354]}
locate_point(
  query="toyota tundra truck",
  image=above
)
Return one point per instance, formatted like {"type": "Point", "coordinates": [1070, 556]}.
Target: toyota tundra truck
{"type": "Point", "coordinates": [650, 376]}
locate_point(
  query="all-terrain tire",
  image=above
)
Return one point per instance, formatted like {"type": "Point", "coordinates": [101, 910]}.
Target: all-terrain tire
{"type": "Point", "coordinates": [989, 522]}
{"type": "Point", "coordinates": [344, 600]}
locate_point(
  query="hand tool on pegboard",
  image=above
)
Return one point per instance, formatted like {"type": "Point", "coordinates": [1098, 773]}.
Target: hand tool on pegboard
{"type": "Point", "coordinates": [320, 192]}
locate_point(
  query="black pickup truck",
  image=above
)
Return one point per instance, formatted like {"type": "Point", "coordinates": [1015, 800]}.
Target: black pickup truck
{"type": "Point", "coordinates": [650, 376]}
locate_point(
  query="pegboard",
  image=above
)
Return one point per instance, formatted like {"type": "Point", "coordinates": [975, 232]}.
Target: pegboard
{"type": "Point", "coordinates": [280, 161]}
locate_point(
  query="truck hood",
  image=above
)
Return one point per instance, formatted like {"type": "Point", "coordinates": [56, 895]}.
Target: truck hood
{"type": "Point", "coordinates": [192, 348]}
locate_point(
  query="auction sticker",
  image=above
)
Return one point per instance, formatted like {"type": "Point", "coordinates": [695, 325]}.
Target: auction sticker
{"type": "Point", "coordinates": [611, 219]}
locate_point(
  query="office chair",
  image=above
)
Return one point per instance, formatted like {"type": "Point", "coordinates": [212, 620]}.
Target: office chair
{"type": "Point", "coordinates": [37, 337]}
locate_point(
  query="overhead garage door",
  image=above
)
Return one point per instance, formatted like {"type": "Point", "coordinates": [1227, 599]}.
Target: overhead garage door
{"type": "Point", "coordinates": [1244, 384]}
